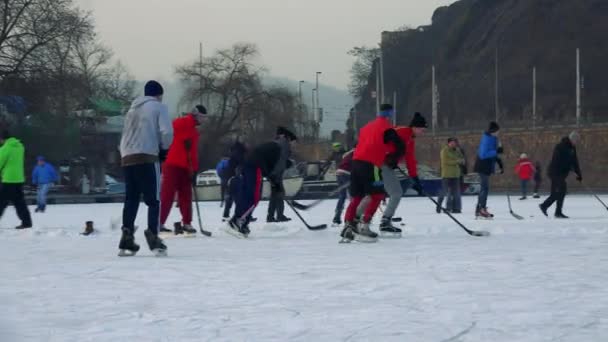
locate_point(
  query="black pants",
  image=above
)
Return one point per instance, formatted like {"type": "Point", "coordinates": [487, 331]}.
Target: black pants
{"type": "Point", "coordinates": [559, 188]}
{"type": "Point", "coordinates": [143, 179]}
{"type": "Point", "coordinates": [232, 191]}
{"type": "Point", "coordinates": [277, 201]}
{"type": "Point", "coordinates": [13, 193]}
{"type": "Point", "coordinates": [365, 179]}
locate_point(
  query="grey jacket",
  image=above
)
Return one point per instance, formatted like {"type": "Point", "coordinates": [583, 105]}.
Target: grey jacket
{"type": "Point", "coordinates": [147, 128]}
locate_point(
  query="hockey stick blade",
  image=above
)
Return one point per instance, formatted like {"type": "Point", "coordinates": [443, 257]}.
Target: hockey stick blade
{"type": "Point", "coordinates": [318, 227]}
{"type": "Point", "coordinates": [519, 217]}
{"type": "Point", "coordinates": [516, 216]}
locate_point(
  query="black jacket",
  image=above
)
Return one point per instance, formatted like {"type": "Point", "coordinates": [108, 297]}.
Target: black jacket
{"type": "Point", "coordinates": [238, 151]}
{"type": "Point", "coordinates": [564, 160]}
{"type": "Point", "coordinates": [272, 158]}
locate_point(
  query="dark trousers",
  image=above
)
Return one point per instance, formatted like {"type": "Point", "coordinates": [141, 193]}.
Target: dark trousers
{"type": "Point", "coordinates": [451, 188]}
{"type": "Point", "coordinates": [232, 188]}
{"type": "Point", "coordinates": [142, 179]}
{"type": "Point", "coordinates": [482, 198]}
{"type": "Point", "coordinates": [13, 194]}
{"type": "Point", "coordinates": [276, 205]}
{"type": "Point", "coordinates": [559, 189]}
{"type": "Point", "coordinates": [249, 192]}
{"type": "Point", "coordinates": [524, 187]}
{"type": "Point", "coordinates": [342, 180]}
{"type": "Point", "coordinates": [537, 183]}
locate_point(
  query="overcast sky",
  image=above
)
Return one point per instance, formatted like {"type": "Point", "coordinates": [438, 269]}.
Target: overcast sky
{"type": "Point", "coordinates": [295, 37]}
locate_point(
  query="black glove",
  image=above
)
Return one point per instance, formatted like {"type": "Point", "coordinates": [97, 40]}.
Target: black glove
{"type": "Point", "coordinates": [162, 155]}
{"type": "Point", "coordinates": [187, 144]}
{"type": "Point", "coordinates": [417, 186]}
{"type": "Point", "coordinates": [500, 150]}
{"type": "Point", "coordinates": [579, 178]}
{"type": "Point", "coordinates": [392, 161]}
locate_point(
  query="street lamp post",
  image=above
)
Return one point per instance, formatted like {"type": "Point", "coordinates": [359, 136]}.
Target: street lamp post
{"type": "Point", "coordinates": [316, 113]}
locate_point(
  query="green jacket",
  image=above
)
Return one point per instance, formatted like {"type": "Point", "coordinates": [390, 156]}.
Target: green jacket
{"type": "Point", "coordinates": [451, 158]}
{"type": "Point", "coordinates": [11, 161]}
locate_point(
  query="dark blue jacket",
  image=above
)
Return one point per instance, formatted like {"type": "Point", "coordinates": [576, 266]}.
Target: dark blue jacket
{"type": "Point", "coordinates": [487, 154]}
{"type": "Point", "coordinates": [44, 174]}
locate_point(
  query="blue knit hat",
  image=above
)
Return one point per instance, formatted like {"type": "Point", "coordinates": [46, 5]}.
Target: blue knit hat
{"type": "Point", "coordinates": [386, 111]}
{"type": "Point", "coordinates": [153, 88]}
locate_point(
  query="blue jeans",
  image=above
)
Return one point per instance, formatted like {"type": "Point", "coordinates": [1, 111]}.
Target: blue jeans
{"type": "Point", "coordinates": [524, 187]}
{"type": "Point", "coordinates": [342, 179]}
{"type": "Point", "coordinates": [482, 199]}
{"type": "Point", "coordinates": [43, 191]}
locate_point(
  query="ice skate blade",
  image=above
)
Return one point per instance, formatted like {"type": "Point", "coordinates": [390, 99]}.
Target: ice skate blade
{"type": "Point", "coordinates": [126, 253]}
{"type": "Point", "coordinates": [387, 235]}
{"type": "Point", "coordinates": [159, 253]}
{"type": "Point", "coordinates": [228, 230]}
{"type": "Point", "coordinates": [365, 239]}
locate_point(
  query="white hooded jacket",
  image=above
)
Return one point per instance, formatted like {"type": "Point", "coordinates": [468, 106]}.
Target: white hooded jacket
{"type": "Point", "coordinates": [147, 128]}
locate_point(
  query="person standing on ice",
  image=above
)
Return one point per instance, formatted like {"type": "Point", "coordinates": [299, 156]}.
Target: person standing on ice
{"type": "Point", "coordinates": [146, 137]}
{"type": "Point", "coordinates": [376, 140]}
{"type": "Point", "coordinates": [231, 175]}
{"type": "Point", "coordinates": [390, 171]}
{"type": "Point", "coordinates": [276, 205]}
{"type": "Point", "coordinates": [343, 178]}
{"type": "Point", "coordinates": [487, 157]}
{"type": "Point", "coordinates": [179, 170]}
{"type": "Point", "coordinates": [267, 160]}
{"type": "Point", "coordinates": [43, 176]}
{"type": "Point", "coordinates": [12, 155]}
{"type": "Point", "coordinates": [538, 179]}
{"type": "Point", "coordinates": [525, 170]}
{"type": "Point", "coordinates": [451, 160]}
{"type": "Point", "coordinates": [563, 161]}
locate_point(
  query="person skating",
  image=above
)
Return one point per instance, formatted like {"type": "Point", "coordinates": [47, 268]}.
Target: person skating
{"type": "Point", "coordinates": [276, 204]}
{"type": "Point", "coordinates": [232, 175]}
{"type": "Point", "coordinates": [563, 161]}
{"type": "Point", "coordinates": [451, 160]}
{"type": "Point", "coordinates": [525, 170]}
{"type": "Point", "coordinates": [220, 170]}
{"type": "Point", "coordinates": [538, 179]}
{"type": "Point", "coordinates": [343, 178]}
{"type": "Point", "coordinates": [12, 171]}
{"type": "Point", "coordinates": [43, 177]}
{"type": "Point", "coordinates": [146, 137]}
{"type": "Point", "coordinates": [267, 160]}
{"type": "Point", "coordinates": [485, 164]}
{"type": "Point", "coordinates": [377, 140]}
{"type": "Point", "coordinates": [180, 169]}
{"type": "Point", "coordinates": [392, 184]}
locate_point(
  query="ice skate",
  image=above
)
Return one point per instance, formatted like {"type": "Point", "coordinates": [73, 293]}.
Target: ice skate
{"type": "Point", "coordinates": [127, 245]}
{"type": "Point", "coordinates": [155, 243]}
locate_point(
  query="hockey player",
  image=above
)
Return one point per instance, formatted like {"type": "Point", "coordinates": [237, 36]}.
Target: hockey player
{"type": "Point", "coordinates": [525, 170]}
{"type": "Point", "coordinates": [146, 136]}
{"type": "Point", "coordinates": [375, 142]}
{"type": "Point", "coordinates": [392, 185]}
{"type": "Point", "coordinates": [267, 160]}
{"type": "Point", "coordinates": [232, 174]}
{"type": "Point", "coordinates": [12, 154]}
{"type": "Point", "coordinates": [343, 178]}
{"type": "Point", "coordinates": [563, 161]}
{"type": "Point", "coordinates": [276, 205]}
{"type": "Point", "coordinates": [451, 161]}
{"type": "Point", "coordinates": [180, 169]}
{"type": "Point", "coordinates": [487, 157]}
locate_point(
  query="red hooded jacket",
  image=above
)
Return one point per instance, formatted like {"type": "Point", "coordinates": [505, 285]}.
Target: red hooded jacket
{"type": "Point", "coordinates": [407, 135]}
{"type": "Point", "coordinates": [371, 147]}
{"type": "Point", "coordinates": [525, 169]}
{"type": "Point", "coordinates": [184, 128]}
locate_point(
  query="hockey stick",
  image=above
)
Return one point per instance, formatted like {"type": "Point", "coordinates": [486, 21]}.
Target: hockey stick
{"type": "Point", "coordinates": [198, 209]}
{"type": "Point", "coordinates": [313, 204]}
{"type": "Point", "coordinates": [511, 209]}
{"type": "Point", "coordinates": [596, 196]}
{"type": "Point", "coordinates": [319, 227]}
{"type": "Point", "coordinates": [470, 232]}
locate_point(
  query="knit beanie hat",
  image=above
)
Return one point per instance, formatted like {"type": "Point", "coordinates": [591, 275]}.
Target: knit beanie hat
{"type": "Point", "coordinates": [153, 88]}
{"type": "Point", "coordinates": [418, 121]}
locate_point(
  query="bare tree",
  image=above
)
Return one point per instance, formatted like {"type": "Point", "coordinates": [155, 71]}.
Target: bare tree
{"type": "Point", "coordinates": [361, 69]}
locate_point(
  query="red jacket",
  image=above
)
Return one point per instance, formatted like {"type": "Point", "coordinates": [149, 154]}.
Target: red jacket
{"type": "Point", "coordinates": [184, 128]}
{"type": "Point", "coordinates": [371, 147]}
{"type": "Point", "coordinates": [409, 140]}
{"type": "Point", "coordinates": [525, 169]}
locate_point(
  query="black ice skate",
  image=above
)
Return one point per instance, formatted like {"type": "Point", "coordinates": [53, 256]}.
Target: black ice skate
{"type": "Point", "coordinates": [155, 243]}
{"type": "Point", "coordinates": [237, 229]}
{"type": "Point", "coordinates": [347, 233]}
{"type": "Point", "coordinates": [127, 245]}
{"type": "Point", "coordinates": [364, 234]}
{"type": "Point", "coordinates": [387, 230]}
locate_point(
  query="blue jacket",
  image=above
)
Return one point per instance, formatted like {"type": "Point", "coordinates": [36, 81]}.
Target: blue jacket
{"type": "Point", "coordinates": [487, 154]}
{"type": "Point", "coordinates": [221, 167]}
{"type": "Point", "coordinates": [44, 174]}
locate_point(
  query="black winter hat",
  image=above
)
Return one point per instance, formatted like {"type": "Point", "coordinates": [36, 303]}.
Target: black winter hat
{"type": "Point", "coordinates": [153, 88]}
{"type": "Point", "coordinates": [493, 128]}
{"type": "Point", "coordinates": [386, 106]}
{"type": "Point", "coordinates": [287, 133]}
{"type": "Point", "coordinates": [199, 109]}
{"type": "Point", "coordinates": [418, 121]}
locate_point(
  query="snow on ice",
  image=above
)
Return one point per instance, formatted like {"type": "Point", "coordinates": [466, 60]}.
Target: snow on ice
{"type": "Point", "coordinates": [534, 280]}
